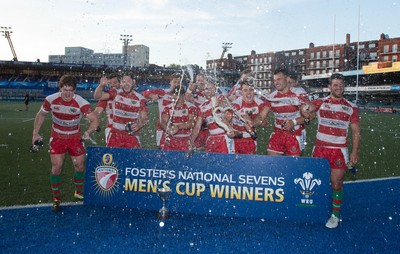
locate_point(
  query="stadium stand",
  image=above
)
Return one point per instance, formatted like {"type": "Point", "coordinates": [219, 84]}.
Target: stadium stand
{"type": "Point", "coordinates": [41, 79]}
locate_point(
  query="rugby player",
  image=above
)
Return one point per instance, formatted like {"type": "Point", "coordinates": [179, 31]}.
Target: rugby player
{"type": "Point", "coordinates": [66, 108]}
{"type": "Point", "coordinates": [336, 116]}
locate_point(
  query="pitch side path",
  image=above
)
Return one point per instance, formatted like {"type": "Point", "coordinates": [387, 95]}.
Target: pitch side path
{"type": "Point", "coordinates": [371, 224]}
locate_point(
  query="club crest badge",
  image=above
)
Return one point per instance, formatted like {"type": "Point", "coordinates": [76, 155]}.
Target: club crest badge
{"type": "Point", "coordinates": [73, 110]}
{"type": "Point", "coordinates": [345, 108]}
{"type": "Point", "coordinates": [106, 176]}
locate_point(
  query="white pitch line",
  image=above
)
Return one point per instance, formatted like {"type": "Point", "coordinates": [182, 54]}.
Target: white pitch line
{"type": "Point", "coordinates": [384, 131]}
{"type": "Point", "coordinates": [27, 120]}
{"type": "Point", "coordinates": [39, 205]}
{"type": "Point", "coordinates": [372, 180]}
{"type": "Point", "coordinates": [12, 118]}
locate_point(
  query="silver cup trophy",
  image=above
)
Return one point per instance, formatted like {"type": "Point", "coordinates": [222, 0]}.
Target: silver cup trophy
{"type": "Point", "coordinates": [163, 194]}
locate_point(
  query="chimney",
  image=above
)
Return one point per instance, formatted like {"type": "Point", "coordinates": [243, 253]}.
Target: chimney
{"type": "Point", "coordinates": [311, 45]}
{"type": "Point", "coordinates": [347, 39]}
{"type": "Point", "coordinates": [253, 52]}
{"type": "Point", "coordinates": [382, 36]}
{"type": "Point", "coordinates": [230, 56]}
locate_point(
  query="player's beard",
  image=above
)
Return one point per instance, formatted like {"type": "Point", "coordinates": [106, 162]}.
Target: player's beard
{"type": "Point", "coordinates": [282, 88]}
{"type": "Point", "coordinates": [337, 94]}
{"type": "Point", "coordinates": [127, 91]}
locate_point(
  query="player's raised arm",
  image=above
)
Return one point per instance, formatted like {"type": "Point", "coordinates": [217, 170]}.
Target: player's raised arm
{"type": "Point", "coordinates": [98, 92]}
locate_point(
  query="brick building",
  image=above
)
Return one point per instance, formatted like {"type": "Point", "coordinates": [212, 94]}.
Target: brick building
{"type": "Point", "coordinates": [318, 61]}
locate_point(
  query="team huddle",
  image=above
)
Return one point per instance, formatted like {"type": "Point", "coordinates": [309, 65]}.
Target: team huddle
{"type": "Point", "coordinates": [203, 118]}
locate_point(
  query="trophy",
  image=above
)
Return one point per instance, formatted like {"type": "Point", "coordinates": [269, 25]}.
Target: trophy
{"type": "Point", "coordinates": [163, 194]}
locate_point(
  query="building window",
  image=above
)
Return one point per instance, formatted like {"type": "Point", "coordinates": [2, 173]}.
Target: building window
{"type": "Point", "coordinates": [323, 54]}
{"type": "Point", "coordinates": [318, 55]}
{"type": "Point", "coordinates": [311, 55]}
{"type": "Point", "coordinates": [394, 58]}
{"type": "Point", "coordinates": [386, 49]}
{"type": "Point", "coordinates": [294, 53]}
{"type": "Point", "coordinates": [330, 54]}
{"type": "Point", "coordinates": [385, 58]}
{"type": "Point", "coordinates": [337, 53]}
{"type": "Point", "coordinates": [373, 55]}
{"type": "Point", "coordinates": [301, 52]}
{"type": "Point", "coordinates": [394, 48]}
{"type": "Point", "coordinates": [372, 45]}
{"type": "Point", "coordinates": [362, 46]}
{"type": "Point", "coordinates": [287, 54]}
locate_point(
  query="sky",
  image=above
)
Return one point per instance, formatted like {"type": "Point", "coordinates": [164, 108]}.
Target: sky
{"type": "Point", "coordinates": [190, 31]}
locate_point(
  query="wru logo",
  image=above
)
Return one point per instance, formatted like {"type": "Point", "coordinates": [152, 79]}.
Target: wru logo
{"type": "Point", "coordinates": [307, 184]}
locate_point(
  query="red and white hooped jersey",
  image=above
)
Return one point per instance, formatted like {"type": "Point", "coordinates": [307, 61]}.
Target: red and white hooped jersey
{"type": "Point", "coordinates": [181, 115]}
{"type": "Point", "coordinates": [246, 109]}
{"type": "Point", "coordinates": [164, 100]}
{"type": "Point", "coordinates": [126, 108]}
{"type": "Point", "coordinates": [334, 119]}
{"type": "Point", "coordinates": [205, 111]}
{"type": "Point", "coordinates": [107, 106]}
{"type": "Point", "coordinates": [66, 116]}
{"type": "Point", "coordinates": [286, 107]}
{"type": "Point", "coordinates": [200, 99]}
